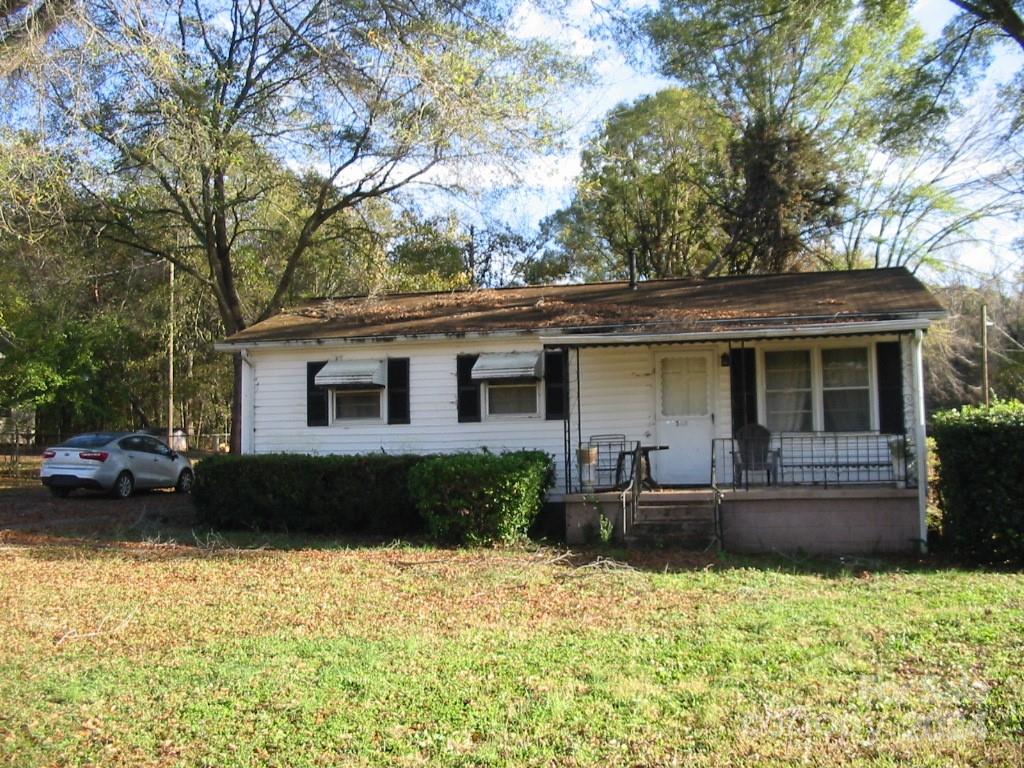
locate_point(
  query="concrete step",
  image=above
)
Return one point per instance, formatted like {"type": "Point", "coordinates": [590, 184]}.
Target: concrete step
{"type": "Point", "coordinates": [652, 512]}
{"type": "Point", "coordinates": [692, 533]}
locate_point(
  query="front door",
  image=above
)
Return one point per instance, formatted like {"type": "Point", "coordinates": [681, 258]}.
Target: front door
{"type": "Point", "coordinates": [685, 418]}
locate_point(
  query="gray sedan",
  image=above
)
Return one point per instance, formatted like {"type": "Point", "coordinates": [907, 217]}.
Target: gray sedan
{"type": "Point", "coordinates": [117, 462]}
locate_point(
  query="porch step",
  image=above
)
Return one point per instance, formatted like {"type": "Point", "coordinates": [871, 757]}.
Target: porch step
{"type": "Point", "coordinates": [691, 535]}
{"type": "Point", "coordinates": [695, 512]}
{"type": "Point", "coordinates": [683, 520]}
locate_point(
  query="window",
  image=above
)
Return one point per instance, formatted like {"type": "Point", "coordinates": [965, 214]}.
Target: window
{"type": "Point", "coordinates": [133, 443]}
{"type": "Point", "coordinates": [353, 404]}
{"type": "Point", "coordinates": [787, 391]}
{"type": "Point", "coordinates": [826, 389]}
{"type": "Point", "coordinates": [845, 393]}
{"type": "Point", "coordinates": [518, 399]}
{"type": "Point", "coordinates": [684, 386]}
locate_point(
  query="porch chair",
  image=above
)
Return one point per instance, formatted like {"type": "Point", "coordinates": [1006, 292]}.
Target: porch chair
{"type": "Point", "coordinates": [612, 457]}
{"type": "Point", "coordinates": [753, 453]}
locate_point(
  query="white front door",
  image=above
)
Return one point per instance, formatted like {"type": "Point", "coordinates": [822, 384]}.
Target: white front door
{"type": "Point", "coordinates": [684, 413]}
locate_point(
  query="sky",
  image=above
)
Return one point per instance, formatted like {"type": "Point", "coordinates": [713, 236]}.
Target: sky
{"type": "Point", "coordinates": [548, 181]}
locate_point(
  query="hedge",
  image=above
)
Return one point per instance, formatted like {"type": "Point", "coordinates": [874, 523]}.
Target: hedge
{"type": "Point", "coordinates": [318, 494]}
{"type": "Point", "coordinates": [981, 481]}
{"type": "Point", "coordinates": [481, 498]}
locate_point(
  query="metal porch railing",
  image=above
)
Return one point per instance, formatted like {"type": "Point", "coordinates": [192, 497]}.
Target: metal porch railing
{"type": "Point", "coordinates": [814, 458]}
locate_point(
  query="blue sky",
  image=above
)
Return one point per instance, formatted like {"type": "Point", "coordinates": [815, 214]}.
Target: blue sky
{"type": "Point", "coordinates": [547, 181]}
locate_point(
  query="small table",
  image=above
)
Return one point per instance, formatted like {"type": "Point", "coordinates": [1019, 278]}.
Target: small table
{"type": "Point", "coordinates": [646, 476]}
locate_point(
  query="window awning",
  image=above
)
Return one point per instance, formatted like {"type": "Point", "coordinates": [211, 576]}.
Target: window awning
{"type": "Point", "coordinates": [352, 374]}
{"type": "Point", "coordinates": [500, 366]}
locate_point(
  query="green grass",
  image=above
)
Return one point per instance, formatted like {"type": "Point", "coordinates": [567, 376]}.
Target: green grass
{"type": "Point", "coordinates": [153, 654]}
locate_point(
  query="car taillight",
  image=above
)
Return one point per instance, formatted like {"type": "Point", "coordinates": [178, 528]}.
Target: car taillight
{"type": "Point", "coordinates": [49, 454]}
{"type": "Point", "coordinates": [94, 455]}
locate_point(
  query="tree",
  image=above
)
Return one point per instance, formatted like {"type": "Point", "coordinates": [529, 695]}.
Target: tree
{"type": "Point", "coordinates": [1002, 15]}
{"type": "Point", "coordinates": [22, 21]}
{"type": "Point", "coordinates": [923, 207]}
{"type": "Point", "coordinates": [231, 138]}
{"type": "Point", "coordinates": [644, 194]}
{"type": "Point", "coordinates": [809, 90]}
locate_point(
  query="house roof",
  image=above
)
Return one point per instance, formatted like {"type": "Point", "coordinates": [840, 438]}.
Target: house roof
{"type": "Point", "coordinates": [711, 305]}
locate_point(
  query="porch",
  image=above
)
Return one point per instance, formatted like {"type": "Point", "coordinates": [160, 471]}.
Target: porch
{"type": "Point", "coordinates": [664, 440]}
{"type": "Point", "coordinates": [813, 519]}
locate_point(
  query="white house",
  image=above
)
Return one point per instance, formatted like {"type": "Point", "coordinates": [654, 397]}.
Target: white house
{"type": "Point", "coordinates": [829, 363]}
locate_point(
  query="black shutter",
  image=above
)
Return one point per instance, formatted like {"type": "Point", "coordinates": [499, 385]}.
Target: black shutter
{"type": "Point", "coordinates": [743, 385]}
{"type": "Point", "coordinates": [468, 390]}
{"type": "Point", "coordinates": [316, 397]}
{"type": "Point", "coordinates": [398, 390]}
{"type": "Point", "coordinates": [890, 388]}
{"type": "Point", "coordinates": [556, 385]}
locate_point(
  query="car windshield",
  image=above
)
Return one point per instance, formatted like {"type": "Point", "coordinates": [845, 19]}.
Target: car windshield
{"type": "Point", "coordinates": [94, 440]}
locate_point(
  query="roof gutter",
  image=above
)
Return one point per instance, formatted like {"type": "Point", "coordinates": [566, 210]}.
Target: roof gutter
{"type": "Point", "coordinates": [801, 331]}
{"type": "Point", "coordinates": [559, 337]}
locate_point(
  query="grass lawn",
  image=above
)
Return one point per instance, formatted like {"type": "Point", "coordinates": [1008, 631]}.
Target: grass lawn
{"type": "Point", "coordinates": [308, 654]}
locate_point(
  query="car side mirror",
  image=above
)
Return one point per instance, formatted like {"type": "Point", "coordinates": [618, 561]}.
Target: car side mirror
{"type": "Point", "coordinates": [174, 455]}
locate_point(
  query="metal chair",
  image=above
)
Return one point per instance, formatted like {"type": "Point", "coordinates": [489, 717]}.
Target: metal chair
{"type": "Point", "coordinates": [612, 456]}
{"type": "Point", "coordinates": [753, 453]}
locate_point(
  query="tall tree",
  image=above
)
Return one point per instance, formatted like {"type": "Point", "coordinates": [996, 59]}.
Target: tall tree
{"type": "Point", "coordinates": [809, 90]}
{"type": "Point", "coordinates": [22, 21]}
{"type": "Point", "coordinates": [1006, 16]}
{"type": "Point", "coordinates": [252, 126]}
{"type": "Point", "coordinates": [645, 194]}
{"type": "Point", "coordinates": [786, 200]}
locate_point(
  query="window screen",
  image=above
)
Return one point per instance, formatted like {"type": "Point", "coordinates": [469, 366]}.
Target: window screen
{"type": "Point", "coordinates": [357, 404]}
{"type": "Point", "coordinates": [788, 403]}
{"type": "Point", "coordinates": [845, 389]}
{"type": "Point", "coordinates": [684, 386]}
{"type": "Point", "coordinates": [511, 399]}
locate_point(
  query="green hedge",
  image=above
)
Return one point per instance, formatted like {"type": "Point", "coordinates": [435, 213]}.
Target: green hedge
{"type": "Point", "coordinates": [981, 481]}
{"type": "Point", "coordinates": [481, 498]}
{"type": "Point", "coordinates": [318, 494]}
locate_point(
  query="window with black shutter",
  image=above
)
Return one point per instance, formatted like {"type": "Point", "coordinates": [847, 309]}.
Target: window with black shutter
{"type": "Point", "coordinates": [468, 390]}
{"type": "Point", "coordinates": [317, 409]}
{"type": "Point", "coordinates": [556, 385]}
{"type": "Point", "coordinates": [398, 390]}
{"type": "Point", "coordinates": [890, 388]}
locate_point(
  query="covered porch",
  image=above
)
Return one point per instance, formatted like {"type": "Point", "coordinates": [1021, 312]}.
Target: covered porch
{"type": "Point", "coordinates": [798, 439]}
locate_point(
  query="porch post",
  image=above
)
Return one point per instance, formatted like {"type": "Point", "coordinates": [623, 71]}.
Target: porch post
{"type": "Point", "coordinates": [920, 438]}
{"type": "Point", "coordinates": [248, 410]}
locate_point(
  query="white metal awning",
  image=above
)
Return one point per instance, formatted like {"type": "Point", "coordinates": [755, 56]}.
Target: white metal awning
{"type": "Point", "coordinates": [352, 374]}
{"type": "Point", "coordinates": [508, 365]}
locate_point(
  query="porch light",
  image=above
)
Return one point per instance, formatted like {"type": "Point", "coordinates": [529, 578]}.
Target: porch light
{"type": "Point", "coordinates": [725, 360]}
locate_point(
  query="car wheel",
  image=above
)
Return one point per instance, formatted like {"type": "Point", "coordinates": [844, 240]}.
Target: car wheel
{"type": "Point", "coordinates": [184, 481]}
{"type": "Point", "coordinates": [124, 486]}
{"type": "Point", "coordinates": [60, 493]}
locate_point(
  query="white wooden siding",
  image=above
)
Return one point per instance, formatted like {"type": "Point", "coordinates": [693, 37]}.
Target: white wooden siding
{"type": "Point", "coordinates": [280, 405]}
{"type": "Point", "coordinates": [618, 384]}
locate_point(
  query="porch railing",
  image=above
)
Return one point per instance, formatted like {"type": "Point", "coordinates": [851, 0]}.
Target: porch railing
{"type": "Point", "coordinates": [631, 493]}
{"type": "Point", "coordinates": [812, 458]}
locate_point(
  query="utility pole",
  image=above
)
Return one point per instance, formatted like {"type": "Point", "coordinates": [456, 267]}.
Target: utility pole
{"type": "Point", "coordinates": [170, 363]}
{"type": "Point", "coordinates": [984, 353]}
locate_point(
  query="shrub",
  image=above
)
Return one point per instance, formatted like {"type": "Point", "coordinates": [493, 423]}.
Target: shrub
{"type": "Point", "coordinates": [321, 494]}
{"type": "Point", "coordinates": [481, 498]}
{"type": "Point", "coordinates": [981, 485]}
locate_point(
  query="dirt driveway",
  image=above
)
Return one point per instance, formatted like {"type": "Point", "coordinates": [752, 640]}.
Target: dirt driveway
{"type": "Point", "coordinates": [32, 508]}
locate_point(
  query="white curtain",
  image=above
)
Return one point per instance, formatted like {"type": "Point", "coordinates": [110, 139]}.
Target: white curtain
{"type": "Point", "coordinates": [788, 400]}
